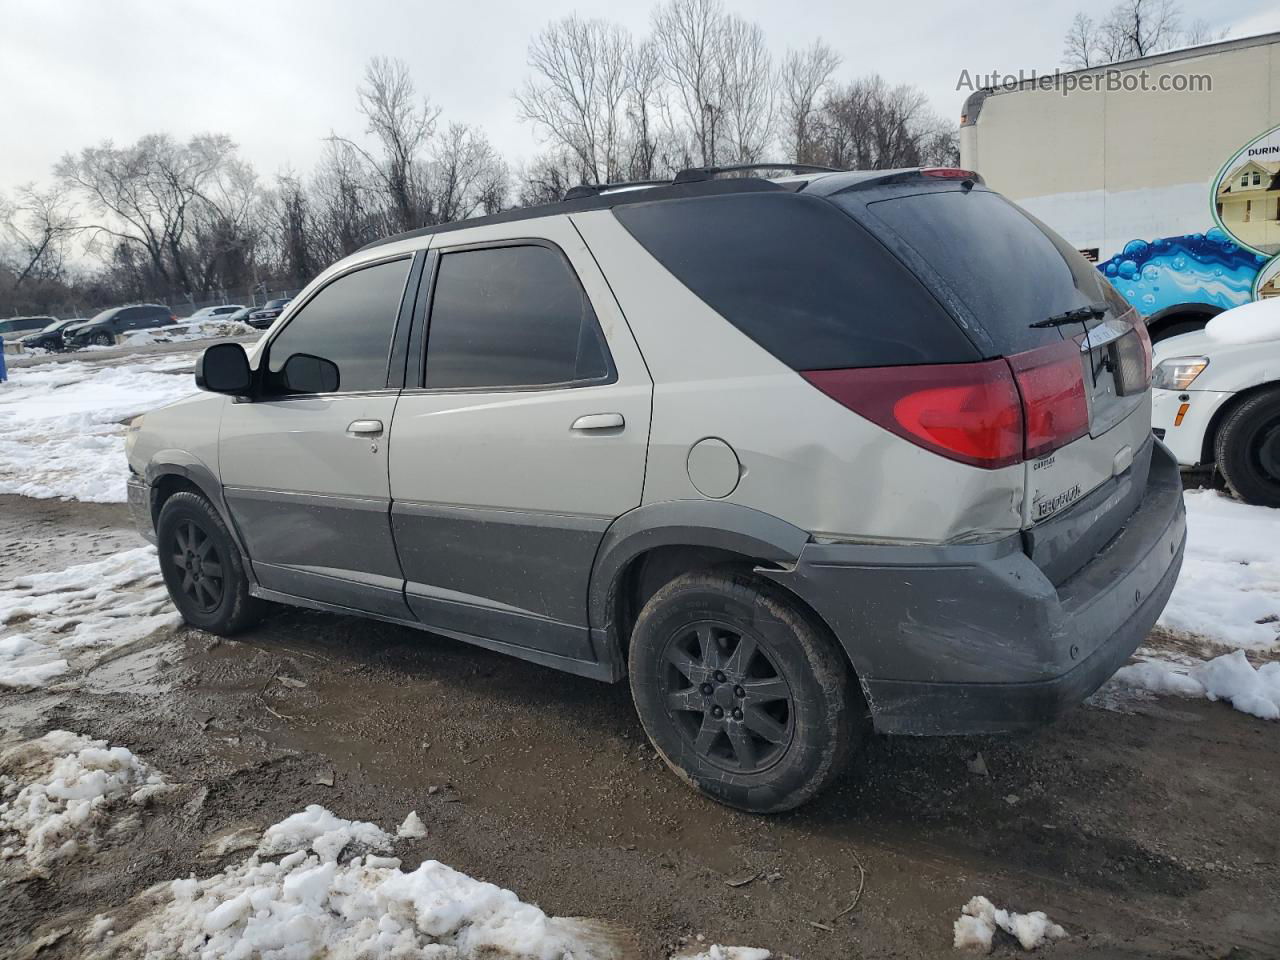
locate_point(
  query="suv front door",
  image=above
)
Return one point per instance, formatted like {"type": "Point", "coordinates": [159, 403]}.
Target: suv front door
{"type": "Point", "coordinates": [522, 437]}
{"type": "Point", "coordinates": [304, 465]}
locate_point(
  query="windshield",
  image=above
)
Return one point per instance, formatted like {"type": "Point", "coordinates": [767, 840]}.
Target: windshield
{"type": "Point", "coordinates": [54, 326]}
{"type": "Point", "coordinates": [104, 315]}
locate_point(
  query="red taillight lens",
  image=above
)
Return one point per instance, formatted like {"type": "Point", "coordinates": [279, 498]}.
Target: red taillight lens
{"type": "Point", "coordinates": [1051, 381]}
{"type": "Point", "coordinates": [966, 411]}
{"type": "Point", "coordinates": [989, 414]}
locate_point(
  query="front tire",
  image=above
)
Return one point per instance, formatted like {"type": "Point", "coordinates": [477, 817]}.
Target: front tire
{"type": "Point", "coordinates": [1247, 450]}
{"type": "Point", "coordinates": [202, 567]}
{"type": "Point", "coordinates": [741, 693]}
{"type": "Point", "coordinates": [103, 339]}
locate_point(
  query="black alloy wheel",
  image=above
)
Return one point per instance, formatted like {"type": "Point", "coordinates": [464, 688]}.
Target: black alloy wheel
{"type": "Point", "coordinates": [726, 695]}
{"type": "Point", "coordinates": [194, 552]}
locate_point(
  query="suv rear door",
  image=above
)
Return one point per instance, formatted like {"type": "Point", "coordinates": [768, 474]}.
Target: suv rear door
{"type": "Point", "coordinates": [521, 435]}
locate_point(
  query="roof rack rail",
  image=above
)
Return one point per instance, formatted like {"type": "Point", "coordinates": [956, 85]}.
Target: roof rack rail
{"type": "Point", "coordinates": [595, 189]}
{"type": "Point", "coordinates": [695, 174]}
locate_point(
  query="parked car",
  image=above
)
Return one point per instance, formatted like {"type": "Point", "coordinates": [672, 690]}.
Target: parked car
{"type": "Point", "coordinates": [16, 327]}
{"type": "Point", "coordinates": [241, 315]}
{"type": "Point", "coordinates": [50, 337]}
{"type": "Point", "coordinates": [221, 312]}
{"type": "Point", "coordinates": [1216, 401]}
{"type": "Point", "coordinates": [266, 315]}
{"type": "Point", "coordinates": [103, 328]}
{"type": "Point", "coordinates": [799, 457]}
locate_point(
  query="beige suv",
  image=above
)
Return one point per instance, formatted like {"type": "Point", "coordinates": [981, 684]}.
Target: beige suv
{"type": "Point", "coordinates": [800, 457]}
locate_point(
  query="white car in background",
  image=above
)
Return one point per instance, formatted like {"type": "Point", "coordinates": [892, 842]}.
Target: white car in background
{"type": "Point", "coordinates": [1216, 399]}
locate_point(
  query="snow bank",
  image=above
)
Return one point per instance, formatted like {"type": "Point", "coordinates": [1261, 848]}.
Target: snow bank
{"type": "Point", "coordinates": [1230, 677]}
{"type": "Point", "coordinates": [1249, 323]}
{"type": "Point", "coordinates": [979, 919]}
{"type": "Point", "coordinates": [310, 903]}
{"type": "Point", "coordinates": [58, 616]}
{"type": "Point", "coordinates": [62, 425]}
{"type": "Point", "coordinates": [63, 793]}
{"type": "Point", "coordinates": [1230, 574]}
{"type": "Point", "coordinates": [199, 330]}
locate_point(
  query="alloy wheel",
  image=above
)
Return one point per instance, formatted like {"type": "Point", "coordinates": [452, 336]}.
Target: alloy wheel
{"type": "Point", "coordinates": [726, 696]}
{"type": "Point", "coordinates": [196, 557]}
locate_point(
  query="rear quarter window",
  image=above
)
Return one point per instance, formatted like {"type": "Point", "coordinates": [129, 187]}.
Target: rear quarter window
{"type": "Point", "coordinates": [800, 278]}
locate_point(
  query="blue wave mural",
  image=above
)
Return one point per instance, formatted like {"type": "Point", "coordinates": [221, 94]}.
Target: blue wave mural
{"type": "Point", "coordinates": [1207, 267]}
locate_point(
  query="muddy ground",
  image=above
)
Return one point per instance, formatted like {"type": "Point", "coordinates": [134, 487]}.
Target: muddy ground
{"type": "Point", "coordinates": [1147, 833]}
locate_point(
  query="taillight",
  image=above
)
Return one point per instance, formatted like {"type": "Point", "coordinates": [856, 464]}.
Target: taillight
{"type": "Point", "coordinates": [965, 411]}
{"type": "Point", "coordinates": [989, 414]}
{"type": "Point", "coordinates": [1051, 381]}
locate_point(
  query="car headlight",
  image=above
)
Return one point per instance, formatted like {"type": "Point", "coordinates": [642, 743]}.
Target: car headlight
{"type": "Point", "coordinates": [1178, 373]}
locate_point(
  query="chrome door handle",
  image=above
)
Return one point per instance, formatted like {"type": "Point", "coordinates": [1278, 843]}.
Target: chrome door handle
{"type": "Point", "coordinates": [364, 428]}
{"type": "Point", "coordinates": [599, 421]}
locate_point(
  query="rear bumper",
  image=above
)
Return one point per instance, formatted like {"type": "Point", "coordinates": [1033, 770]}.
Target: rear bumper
{"type": "Point", "coordinates": [975, 638]}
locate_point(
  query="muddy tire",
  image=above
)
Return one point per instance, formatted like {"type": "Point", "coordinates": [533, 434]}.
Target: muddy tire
{"type": "Point", "coordinates": [203, 568]}
{"type": "Point", "coordinates": [741, 693]}
{"type": "Point", "coordinates": [1247, 450]}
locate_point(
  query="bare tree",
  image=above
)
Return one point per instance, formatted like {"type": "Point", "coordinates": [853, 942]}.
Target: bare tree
{"type": "Point", "coordinates": [869, 125]}
{"type": "Point", "coordinates": [464, 173]}
{"type": "Point", "coordinates": [804, 75]}
{"type": "Point", "coordinates": [686, 34]}
{"type": "Point", "coordinates": [148, 194]}
{"type": "Point", "coordinates": [577, 94]}
{"type": "Point", "coordinates": [402, 124]}
{"type": "Point", "coordinates": [644, 100]}
{"type": "Point", "coordinates": [747, 105]}
{"type": "Point", "coordinates": [37, 226]}
{"type": "Point", "coordinates": [1131, 29]}
{"type": "Point", "coordinates": [1080, 46]}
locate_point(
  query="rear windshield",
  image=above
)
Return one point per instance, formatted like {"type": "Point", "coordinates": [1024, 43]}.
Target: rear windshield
{"type": "Point", "coordinates": [800, 278]}
{"type": "Point", "coordinates": [1007, 267]}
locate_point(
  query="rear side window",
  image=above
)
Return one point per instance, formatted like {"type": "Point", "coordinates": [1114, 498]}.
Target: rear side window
{"type": "Point", "coordinates": [349, 323]}
{"type": "Point", "coordinates": [512, 316]}
{"type": "Point", "coordinates": [800, 278]}
{"type": "Point", "coordinates": [1009, 269]}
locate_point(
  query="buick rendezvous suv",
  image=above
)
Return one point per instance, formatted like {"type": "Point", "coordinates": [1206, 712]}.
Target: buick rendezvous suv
{"type": "Point", "coordinates": [799, 458]}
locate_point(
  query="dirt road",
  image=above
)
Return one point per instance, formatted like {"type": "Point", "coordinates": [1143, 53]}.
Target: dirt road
{"type": "Point", "coordinates": [1148, 833]}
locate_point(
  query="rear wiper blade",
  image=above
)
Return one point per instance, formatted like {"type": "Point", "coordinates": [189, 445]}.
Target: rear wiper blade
{"type": "Point", "coordinates": [1079, 315]}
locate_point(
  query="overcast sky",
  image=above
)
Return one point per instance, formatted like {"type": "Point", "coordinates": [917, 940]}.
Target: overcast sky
{"type": "Point", "coordinates": [279, 76]}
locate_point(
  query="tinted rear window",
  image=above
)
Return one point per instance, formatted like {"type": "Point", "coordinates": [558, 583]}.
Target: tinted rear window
{"type": "Point", "coordinates": [1008, 268]}
{"type": "Point", "coordinates": [800, 278]}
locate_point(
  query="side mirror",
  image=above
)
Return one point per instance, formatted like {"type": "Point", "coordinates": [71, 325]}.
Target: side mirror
{"type": "Point", "coordinates": [304, 373]}
{"type": "Point", "coordinates": [224, 368]}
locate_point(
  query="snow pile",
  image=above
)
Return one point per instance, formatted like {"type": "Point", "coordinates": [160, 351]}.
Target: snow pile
{"type": "Point", "coordinates": [1230, 677]}
{"type": "Point", "coordinates": [719, 952]}
{"type": "Point", "coordinates": [1229, 590]}
{"type": "Point", "coordinates": [310, 903]}
{"type": "Point", "coordinates": [62, 425]}
{"type": "Point", "coordinates": [979, 919]}
{"type": "Point", "coordinates": [64, 792]}
{"type": "Point", "coordinates": [1255, 322]}
{"type": "Point", "coordinates": [207, 329]}
{"type": "Point", "coordinates": [56, 616]}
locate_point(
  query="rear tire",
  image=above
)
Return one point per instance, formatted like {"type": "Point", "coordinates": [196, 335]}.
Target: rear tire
{"type": "Point", "coordinates": [202, 567]}
{"type": "Point", "coordinates": [1247, 450]}
{"type": "Point", "coordinates": [741, 693]}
